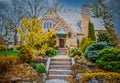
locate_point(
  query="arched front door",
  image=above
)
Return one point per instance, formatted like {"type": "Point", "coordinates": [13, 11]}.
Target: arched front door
{"type": "Point", "coordinates": [62, 42]}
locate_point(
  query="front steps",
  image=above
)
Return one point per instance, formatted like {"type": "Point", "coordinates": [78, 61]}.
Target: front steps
{"type": "Point", "coordinates": [61, 51]}
{"type": "Point", "coordinates": [60, 68]}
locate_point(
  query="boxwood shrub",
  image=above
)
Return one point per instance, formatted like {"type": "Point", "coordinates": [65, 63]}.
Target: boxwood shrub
{"type": "Point", "coordinates": [109, 59]}
{"type": "Point", "coordinates": [41, 68]}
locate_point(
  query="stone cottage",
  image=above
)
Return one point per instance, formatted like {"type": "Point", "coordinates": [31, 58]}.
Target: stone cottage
{"type": "Point", "coordinates": [70, 26]}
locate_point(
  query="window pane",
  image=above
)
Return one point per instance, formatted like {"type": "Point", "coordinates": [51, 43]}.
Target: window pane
{"type": "Point", "coordinates": [47, 25]}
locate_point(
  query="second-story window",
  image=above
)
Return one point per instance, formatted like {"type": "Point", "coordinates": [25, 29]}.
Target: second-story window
{"type": "Point", "coordinates": [47, 25]}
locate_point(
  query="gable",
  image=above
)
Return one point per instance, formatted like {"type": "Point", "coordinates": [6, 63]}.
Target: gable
{"type": "Point", "coordinates": [63, 25]}
{"type": "Point", "coordinates": [50, 14]}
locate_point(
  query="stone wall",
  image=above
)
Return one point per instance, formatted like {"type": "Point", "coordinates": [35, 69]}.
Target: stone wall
{"type": "Point", "coordinates": [71, 40]}
{"type": "Point", "coordinates": [59, 23]}
{"type": "Point", "coordinates": [85, 20]}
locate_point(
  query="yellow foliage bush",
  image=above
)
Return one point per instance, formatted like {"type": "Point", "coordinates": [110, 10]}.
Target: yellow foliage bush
{"type": "Point", "coordinates": [38, 59]}
{"type": "Point", "coordinates": [33, 36]}
{"type": "Point", "coordinates": [105, 77]}
{"type": "Point", "coordinates": [77, 57]}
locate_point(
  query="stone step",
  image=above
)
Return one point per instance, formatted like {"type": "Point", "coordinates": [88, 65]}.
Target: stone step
{"type": "Point", "coordinates": [59, 72]}
{"type": "Point", "coordinates": [61, 66]}
{"type": "Point", "coordinates": [62, 51]}
{"type": "Point", "coordinates": [57, 59]}
{"type": "Point", "coordinates": [60, 63]}
{"type": "Point", "coordinates": [58, 76]}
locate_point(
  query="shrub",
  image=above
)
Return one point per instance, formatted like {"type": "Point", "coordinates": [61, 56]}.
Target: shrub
{"type": "Point", "coordinates": [109, 59]}
{"type": "Point", "coordinates": [41, 68]}
{"type": "Point", "coordinates": [85, 42]}
{"type": "Point", "coordinates": [52, 52]}
{"type": "Point", "coordinates": [38, 59]}
{"type": "Point", "coordinates": [101, 77]}
{"type": "Point", "coordinates": [33, 65]}
{"type": "Point", "coordinates": [104, 36]}
{"type": "Point", "coordinates": [25, 55]}
{"type": "Point", "coordinates": [3, 47]}
{"type": "Point", "coordinates": [92, 51]}
{"type": "Point", "coordinates": [76, 57]}
{"type": "Point", "coordinates": [19, 47]}
{"type": "Point", "coordinates": [75, 52]}
{"type": "Point", "coordinates": [6, 62]}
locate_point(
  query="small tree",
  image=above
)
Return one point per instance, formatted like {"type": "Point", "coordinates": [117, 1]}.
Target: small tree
{"type": "Point", "coordinates": [91, 32]}
{"type": "Point", "coordinates": [85, 42]}
{"type": "Point", "coordinates": [32, 35]}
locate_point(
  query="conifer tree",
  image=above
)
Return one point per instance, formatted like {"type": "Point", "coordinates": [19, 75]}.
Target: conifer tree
{"type": "Point", "coordinates": [91, 32]}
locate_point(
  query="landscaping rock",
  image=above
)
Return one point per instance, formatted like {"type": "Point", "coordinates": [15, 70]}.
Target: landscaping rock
{"type": "Point", "coordinates": [15, 79]}
{"type": "Point", "coordinates": [93, 81]}
{"type": "Point", "coordinates": [78, 76]}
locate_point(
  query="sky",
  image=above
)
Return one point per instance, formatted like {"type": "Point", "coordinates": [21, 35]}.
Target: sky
{"type": "Point", "coordinates": [71, 4]}
{"type": "Point", "coordinates": [76, 4]}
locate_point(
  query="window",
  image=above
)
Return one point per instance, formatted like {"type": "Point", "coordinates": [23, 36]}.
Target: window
{"type": "Point", "coordinates": [47, 25]}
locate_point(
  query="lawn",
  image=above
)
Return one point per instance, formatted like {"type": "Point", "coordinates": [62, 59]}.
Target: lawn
{"type": "Point", "coordinates": [11, 52]}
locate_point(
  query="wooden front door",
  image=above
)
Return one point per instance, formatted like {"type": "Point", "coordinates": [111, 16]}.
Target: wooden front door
{"type": "Point", "coordinates": [61, 42]}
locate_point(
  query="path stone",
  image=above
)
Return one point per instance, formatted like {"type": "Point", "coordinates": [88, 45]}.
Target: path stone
{"type": "Point", "coordinates": [56, 81]}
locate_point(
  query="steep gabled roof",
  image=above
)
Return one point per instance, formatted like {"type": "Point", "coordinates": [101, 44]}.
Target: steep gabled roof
{"type": "Point", "coordinates": [72, 18]}
{"type": "Point", "coordinates": [98, 23]}
{"type": "Point", "coordinates": [50, 12]}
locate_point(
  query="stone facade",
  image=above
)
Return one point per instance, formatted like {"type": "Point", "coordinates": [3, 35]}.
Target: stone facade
{"type": "Point", "coordinates": [69, 40]}
{"type": "Point", "coordinates": [53, 20]}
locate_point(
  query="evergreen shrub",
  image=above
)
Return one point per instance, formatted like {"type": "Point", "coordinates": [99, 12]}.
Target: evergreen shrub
{"type": "Point", "coordinates": [92, 51]}
{"type": "Point", "coordinates": [41, 68]}
{"type": "Point", "coordinates": [109, 59]}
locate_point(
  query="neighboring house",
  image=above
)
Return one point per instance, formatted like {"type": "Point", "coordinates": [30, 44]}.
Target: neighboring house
{"type": "Point", "coordinates": [70, 26]}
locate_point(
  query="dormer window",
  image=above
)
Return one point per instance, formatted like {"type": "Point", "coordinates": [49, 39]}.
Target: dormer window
{"type": "Point", "coordinates": [47, 25]}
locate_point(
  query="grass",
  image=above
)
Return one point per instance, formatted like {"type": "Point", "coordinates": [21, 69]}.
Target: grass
{"type": "Point", "coordinates": [10, 52]}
